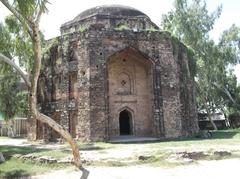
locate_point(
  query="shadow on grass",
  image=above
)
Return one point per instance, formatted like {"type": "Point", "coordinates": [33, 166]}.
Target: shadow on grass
{"type": "Point", "coordinates": [14, 174]}
{"type": "Point", "coordinates": [89, 147]}
{"type": "Point", "coordinates": [225, 134]}
{"type": "Point", "coordinates": [84, 147]}
{"type": "Point", "coordinates": [9, 150]}
{"type": "Point", "coordinates": [220, 134]}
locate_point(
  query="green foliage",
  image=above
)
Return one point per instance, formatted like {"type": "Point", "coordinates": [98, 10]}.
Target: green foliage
{"type": "Point", "coordinates": [46, 51]}
{"type": "Point", "coordinates": [16, 168]}
{"type": "Point", "coordinates": [22, 102]}
{"type": "Point", "coordinates": [192, 60]}
{"type": "Point", "coordinates": [28, 8]}
{"type": "Point", "coordinates": [212, 74]}
{"type": "Point", "coordinates": [175, 43]}
{"type": "Point", "coordinates": [48, 46]}
{"type": "Point", "coordinates": [178, 46]}
{"type": "Point", "coordinates": [191, 22]}
{"type": "Point", "coordinates": [230, 44]}
{"type": "Point", "coordinates": [12, 24]}
{"type": "Point", "coordinates": [122, 27]}
{"type": "Point", "coordinates": [5, 41]}
{"type": "Point", "coordinates": [152, 30]}
{"type": "Point", "coordinates": [82, 29]}
{"type": "Point", "coordinates": [8, 94]}
{"type": "Point", "coordinates": [232, 102]}
{"type": "Point", "coordinates": [14, 43]}
{"type": "Point", "coordinates": [21, 42]}
{"type": "Point", "coordinates": [12, 101]}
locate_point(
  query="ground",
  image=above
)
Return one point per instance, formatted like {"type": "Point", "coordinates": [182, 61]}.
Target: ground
{"type": "Point", "coordinates": [205, 169]}
{"type": "Point", "coordinates": [217, 157]}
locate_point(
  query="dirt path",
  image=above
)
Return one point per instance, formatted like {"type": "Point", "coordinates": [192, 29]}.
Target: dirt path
{"type": "Point", "coordinates": [14, 142]}
{"type": "Point", "coordinates": [221, 169]}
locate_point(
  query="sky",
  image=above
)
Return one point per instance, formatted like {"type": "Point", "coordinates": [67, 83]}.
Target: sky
{"type": "Point", "coordinates": [61, 11]}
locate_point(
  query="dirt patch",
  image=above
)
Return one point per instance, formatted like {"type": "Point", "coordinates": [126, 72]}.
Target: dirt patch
{"type": "Point", "coordinates": [193, 155]}
{"type": "Point", "coordinates": [14, 142]}
{"type": "Point", "coordinates": [222, 153]}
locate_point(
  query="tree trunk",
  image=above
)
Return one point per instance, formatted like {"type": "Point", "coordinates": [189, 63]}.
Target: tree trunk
{"type": "Point", "coordinates": [211, 121]}
{"type": "Point", "coordinates": [58, 128]}
{"type": "Point", "coordinates": [33, 98]}
{"type": "Point", "coordinates": [32, 27]}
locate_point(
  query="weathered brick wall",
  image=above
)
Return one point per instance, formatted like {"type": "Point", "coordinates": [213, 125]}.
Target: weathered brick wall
{"type": "Point", "coordinates": [156, 46]}
{"type": "Point", "coordinates": [80, 82]}
{"type": "Point", "coordinates": [186, 70]}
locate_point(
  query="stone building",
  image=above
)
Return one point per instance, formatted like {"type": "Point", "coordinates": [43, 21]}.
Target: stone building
{"type": "Point", "coordinates": [112, 72]}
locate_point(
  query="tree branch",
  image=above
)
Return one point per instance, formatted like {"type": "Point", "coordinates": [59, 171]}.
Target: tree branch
{"type": "Point", "coordinates": [18, 16]}
{"type": "Point", "coordinates": [224, 90]}
{"type": "Point", "coordinates": [41, 9]}
{"type": "Point", "coordinates": [20, 72]}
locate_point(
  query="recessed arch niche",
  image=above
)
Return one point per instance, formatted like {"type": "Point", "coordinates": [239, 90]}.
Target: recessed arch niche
{"type": "Point", "coordinates": [130, 83]}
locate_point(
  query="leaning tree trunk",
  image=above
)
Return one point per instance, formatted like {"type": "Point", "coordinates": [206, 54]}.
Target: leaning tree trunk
{"type": "Point", "coordinates": [209, 114]}
{"type": "Point", "coordinates": [32, 27]}
{"type": "Point", "coordinates": [33, 98]}
{"type": "Point", "coordinates": [211, 121]}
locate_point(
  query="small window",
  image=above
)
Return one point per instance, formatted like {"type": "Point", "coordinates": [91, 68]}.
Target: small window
{"type": "Point", "coordinates": [83, 72]}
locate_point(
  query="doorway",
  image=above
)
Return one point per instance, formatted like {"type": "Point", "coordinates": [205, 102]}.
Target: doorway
{"type": "Point", "coordinates": [125, 123]}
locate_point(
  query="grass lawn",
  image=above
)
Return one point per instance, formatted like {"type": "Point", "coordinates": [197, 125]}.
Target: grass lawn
{"type": "Point", "coordinates": [14, 168]}
{"type": "Point", "coordinates": [107, 154]}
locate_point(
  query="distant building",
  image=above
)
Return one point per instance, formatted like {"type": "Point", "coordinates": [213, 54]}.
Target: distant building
{"type": "Point", "coordinates": [218, 118]}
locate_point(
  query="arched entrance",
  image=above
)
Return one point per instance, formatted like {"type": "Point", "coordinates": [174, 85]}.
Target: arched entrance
{"type": "Point", "coordinates": [125, 123]}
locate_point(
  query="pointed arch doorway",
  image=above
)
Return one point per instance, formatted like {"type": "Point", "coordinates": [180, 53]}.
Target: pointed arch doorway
{"type": "Point", "coordinates": [125, 123]}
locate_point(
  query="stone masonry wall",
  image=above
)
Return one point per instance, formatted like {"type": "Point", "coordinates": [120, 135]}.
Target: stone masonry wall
{"type": "Point", "coordinates": [157, 47]}
{"type": "Point", "coordinates": [74, 84]}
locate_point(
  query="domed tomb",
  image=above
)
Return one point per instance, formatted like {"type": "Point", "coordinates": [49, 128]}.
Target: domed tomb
{"type": "Point", "coordinates": [102, 81]}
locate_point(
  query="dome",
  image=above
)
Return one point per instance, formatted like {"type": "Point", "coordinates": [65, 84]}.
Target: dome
{"type": "Point", "coordinates": [110, 10]}
{"type": "Point", "coordinates": [109, 17]}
